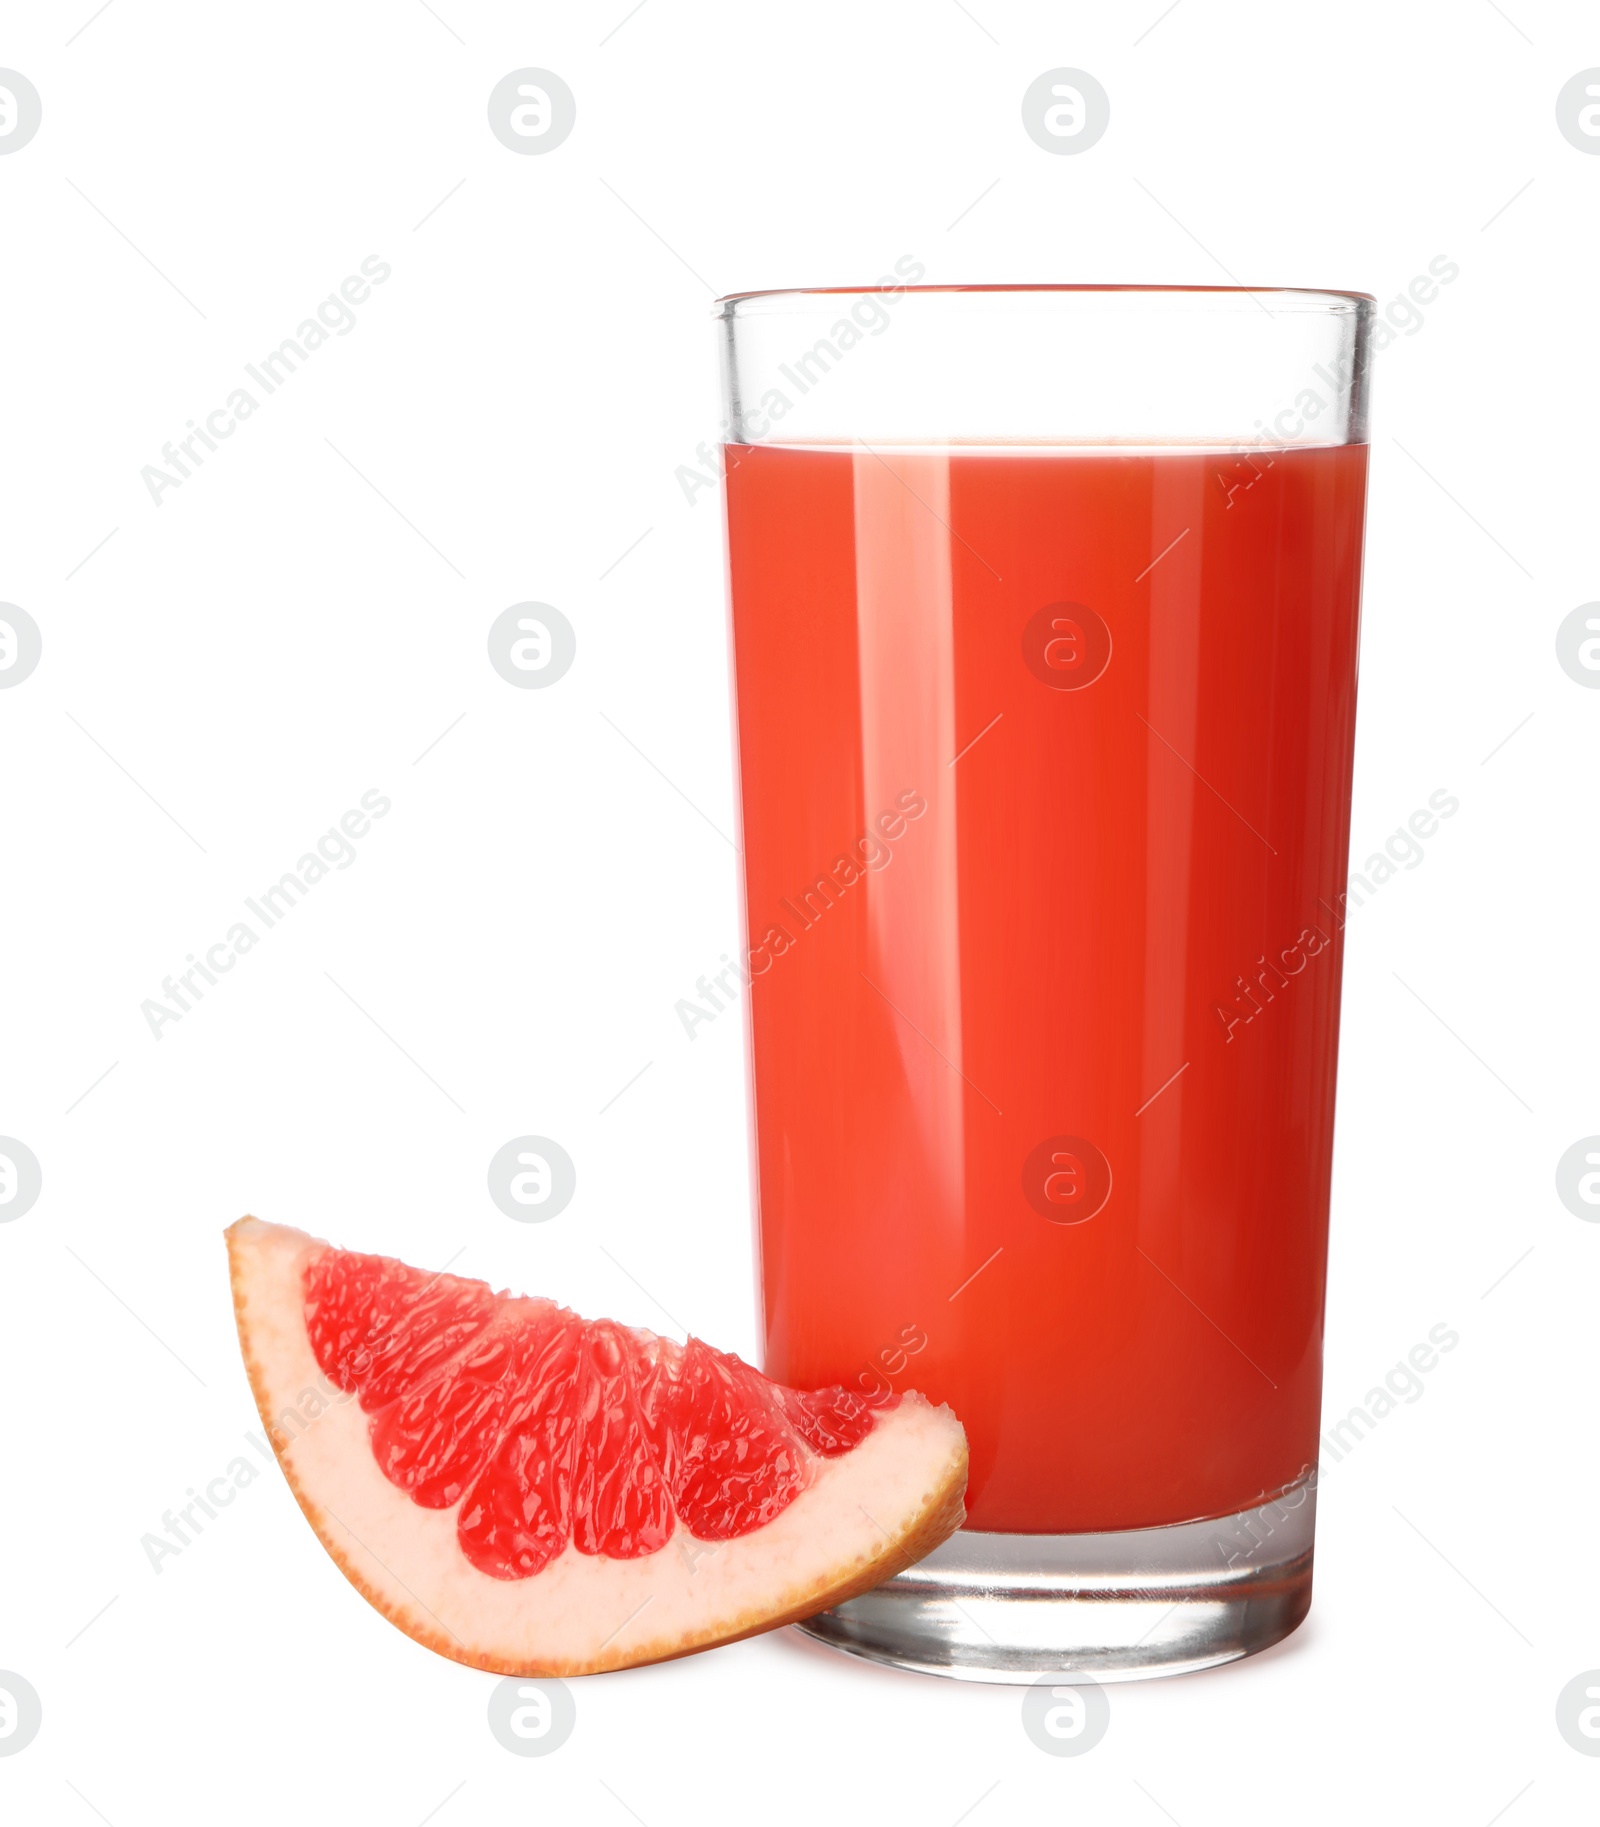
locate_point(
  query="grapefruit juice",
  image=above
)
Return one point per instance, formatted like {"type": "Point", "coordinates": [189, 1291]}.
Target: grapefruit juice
{"type": "Point", "coordinates": [1044, 757]}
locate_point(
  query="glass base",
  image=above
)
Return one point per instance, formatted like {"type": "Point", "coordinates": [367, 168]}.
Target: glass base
{"type": "Point", "coordinates": [1114, 1606]}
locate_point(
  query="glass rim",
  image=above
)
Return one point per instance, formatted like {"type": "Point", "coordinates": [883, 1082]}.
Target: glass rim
{"type": "Point", "coordinates": [770, 300]}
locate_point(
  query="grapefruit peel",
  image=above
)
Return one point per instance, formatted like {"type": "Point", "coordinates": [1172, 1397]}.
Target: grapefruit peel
{"type": "Point", "coordinates": [859, 1517]}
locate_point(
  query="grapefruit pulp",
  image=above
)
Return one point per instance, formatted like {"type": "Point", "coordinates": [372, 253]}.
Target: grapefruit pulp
{"type": "Point", "coordinates": [533, 1493]}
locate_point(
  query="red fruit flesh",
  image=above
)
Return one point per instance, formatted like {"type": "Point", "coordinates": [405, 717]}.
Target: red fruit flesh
{"type": "Point", "coordinates": [553, 1429]}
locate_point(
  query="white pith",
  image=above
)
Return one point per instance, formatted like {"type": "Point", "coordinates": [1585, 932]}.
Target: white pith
{"type": "Point", "coordinates": [854, 1523]}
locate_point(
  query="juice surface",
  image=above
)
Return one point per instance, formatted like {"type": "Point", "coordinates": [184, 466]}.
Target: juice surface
{"type": "Point", "coordinates": [1045, 765]}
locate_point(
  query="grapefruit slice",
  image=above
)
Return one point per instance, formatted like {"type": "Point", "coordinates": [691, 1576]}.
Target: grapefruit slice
{"type": "Point", "coordinates": [537, 1494]}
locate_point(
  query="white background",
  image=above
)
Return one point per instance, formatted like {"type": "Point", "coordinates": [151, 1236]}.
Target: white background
{"type": "Point", "coordinates": [305, 617]}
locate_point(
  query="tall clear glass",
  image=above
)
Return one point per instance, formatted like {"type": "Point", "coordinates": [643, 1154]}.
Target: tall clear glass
{"type": "Point", "coordinates": [1045, 605]}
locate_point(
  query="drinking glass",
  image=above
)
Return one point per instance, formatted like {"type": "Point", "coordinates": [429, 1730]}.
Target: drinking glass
{"type": "Point", "coordinates": [1044, 608]}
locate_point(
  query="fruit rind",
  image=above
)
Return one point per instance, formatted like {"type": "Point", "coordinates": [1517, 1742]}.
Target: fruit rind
{"type": "Point", "coordinates": [865, 1516]}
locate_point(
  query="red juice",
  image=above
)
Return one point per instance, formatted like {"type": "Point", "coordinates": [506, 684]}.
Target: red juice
{"type": "Point", "coordinates": [1044, 761]}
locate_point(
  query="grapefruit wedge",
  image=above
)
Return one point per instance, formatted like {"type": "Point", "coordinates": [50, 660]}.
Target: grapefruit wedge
{"type": "Point", "coordinates": [537, 1494]}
